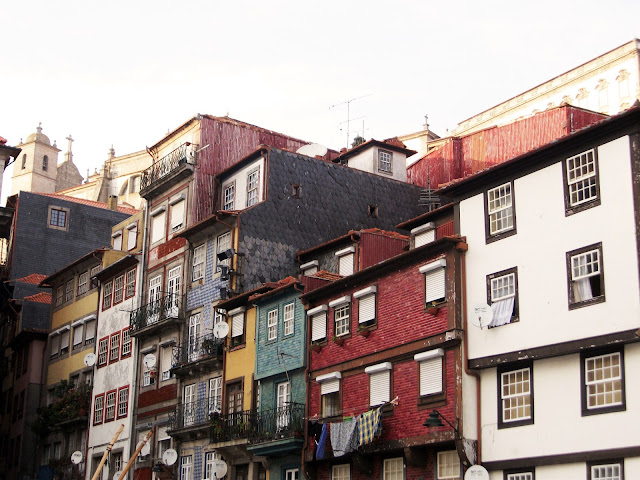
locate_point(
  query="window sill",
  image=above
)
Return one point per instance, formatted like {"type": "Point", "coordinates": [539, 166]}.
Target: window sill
{"type": "Point", "coordinates": [569, 210]}
{"type": "Point", "coordinates": [587, 303]}
{"type": "Point", "coordinates": [499, 236]}
{"type": "Point", "coordinates": [601, 410]}
{"type": "Point", "coordinates": [433, 400]}
{"type": "Point", "coordinates": [517, 423]}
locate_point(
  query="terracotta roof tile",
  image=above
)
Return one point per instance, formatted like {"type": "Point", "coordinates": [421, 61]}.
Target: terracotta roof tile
{"type": "Point", "coordinates": [326, 275]}
{"type": "Point", "coordinates": [33, 279]}
{"type": "Point", "coordinates": [91, 203]}
{"type": "Point", "coordinates": [41, 297]}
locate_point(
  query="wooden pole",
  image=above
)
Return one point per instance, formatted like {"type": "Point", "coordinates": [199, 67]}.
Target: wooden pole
{"type": "Point", "coordinates": [135, 454]}
{"type": "Point", "coordinates": [106, 452]}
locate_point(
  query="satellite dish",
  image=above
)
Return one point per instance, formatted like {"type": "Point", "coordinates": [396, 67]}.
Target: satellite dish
{"type": "Point", "coordinates": [146, 449]}
{"type": "Point", "coordinates": [312, 150]}
{"type": "Point", "coordinates": [149, 360]}
{"type": "Point", "coordinates": [476, 472]}
{"type": "Point", "coordinates": [116, 475]}
{"type": "Point", "coordinates": [219, 468]}
{"type": "Point", "coordinates": [221, 330]}
{"type": "Point", "coordinates": [90, 359]}
{"type": "Point", "coordinates": [169, 457]}
{"type": "Point", "coordinates": [76, 457]}
{"type": "Point", "coordinates": [482, 315]}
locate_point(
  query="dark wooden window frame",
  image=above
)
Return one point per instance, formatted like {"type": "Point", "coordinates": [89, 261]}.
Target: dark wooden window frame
{"type": "Point", "coordinates": [600, 298]}
{"type": "Point", "coordinates": [490, 238]}
{"type": "Point", "coordinates": [510, 368]}
{"type": "Point", "coordinates": [583, 390]}
{"type": "Point", "coordinates": [571, 210]}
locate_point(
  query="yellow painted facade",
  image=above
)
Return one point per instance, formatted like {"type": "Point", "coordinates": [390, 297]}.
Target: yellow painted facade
{"type": "Point", "coordinates": [241, 360]}
{"type": "Point", "coordinates": [78, 309]}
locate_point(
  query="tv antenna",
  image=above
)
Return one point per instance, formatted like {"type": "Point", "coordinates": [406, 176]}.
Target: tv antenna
{"type": "Point", "coordinates": [348, 102]}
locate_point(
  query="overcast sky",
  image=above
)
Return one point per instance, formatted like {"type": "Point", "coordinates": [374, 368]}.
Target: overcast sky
{"type": "Point", "coordinates": [124, 73]}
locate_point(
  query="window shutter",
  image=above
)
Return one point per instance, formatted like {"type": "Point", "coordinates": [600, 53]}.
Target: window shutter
{"type": "Point", "coordinates": [177, 214]}
{"type": "Point", "coordinates": [330, 386]}
{"type": "Point", "coordinates": [379, 387]}
{"type": "Point", "coordinates": [157, 228]}
{"type": "Point", "coordinates": [132, 237]}
{"type": "Point", "coordinates": [237, 325]}
{"type": "Point", "coordinates": [345, 267]}
{"type": "Point", "coordinates": [117, 241]}
{"type": "Point", "coordinates": [77, 335]}
{"type": "Point", "coordinates": [318, 326]}
{"type": "Point", "coordinates": [165, 360]}
{"type": "Point", "coordinates": [435, 287]}
{"type": "Point", "coordinates": [55, 344]}
{"type": "Point", "coordinates": [425, 237]}
{"type": "Point", "coordinates": [90, 328]}
{"type": "Point", "coordinates": [431, 376]}
{"type": "Point", "coordinates": [367, 308]}
{"type": "Point", "coordinates": [64, 339]}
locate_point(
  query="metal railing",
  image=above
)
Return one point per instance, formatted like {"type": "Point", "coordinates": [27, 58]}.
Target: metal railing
{"type": "Point", "coordinates": [193, 414]}
{"type": "Point", "coordinates": [197, 348]}
{"type": "Point", "coordinates": [186, 153]}
{"type": "Point", "coordinates": [167, 307]}
{"type": "Point", "coordinates": [279, 423]}
{"type": "Point", "coordinates": [232, 426]}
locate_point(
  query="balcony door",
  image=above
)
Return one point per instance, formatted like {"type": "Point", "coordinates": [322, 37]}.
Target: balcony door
{"type": "Point", "coordinates": [173, 291]}
{"type": "Point", "coordinates": [188, 404]}
{"type": "Point", "coordinates": [194, 337]}
{"type": "Point", "coordinates": [234, 402]}
{"type": "Point", "coordinates": [155, 292]}
{"type": "Point", "coordinates": [283, 401]}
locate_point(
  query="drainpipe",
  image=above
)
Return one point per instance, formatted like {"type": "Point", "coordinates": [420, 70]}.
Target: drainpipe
{"type": "Point", "coordinates": [305, 446]}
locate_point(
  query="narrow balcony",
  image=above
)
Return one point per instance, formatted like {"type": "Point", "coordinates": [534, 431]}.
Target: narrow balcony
{"type": "Point", "coordinates": [278, 431]}
{"type": "Point", "coordinates": [169, 170]}
{"type": "Point", "coordinates": [154, 316]}
{"type": "Point", "coordinates": [235, 426]}
{"type": "Point", "coordinates": [197, 354]}
{"type": "Point", "coordinates": [192, 420]}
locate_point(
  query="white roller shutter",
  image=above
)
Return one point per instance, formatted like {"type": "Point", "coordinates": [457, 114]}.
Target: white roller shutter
{"type": "Point", "coordinates": [157, 227]}
{"type": "Point", "coordinates": [330, 386]}
{"type": "Point", "coordinates": [90, 330]}
{"type": "Point", "coordinates": [64, 340]}
{"type": "Point", "coordinates": [318, 326]}
{"type": "Point", "coordinates": [237, 325]}
{"type": "Point", "coordinates": [435, 288]}
{"type": "Point", "coordinates": [430, 371]}
{"type": "Point", "coordinates": [77, 335]}
{"type": "Point", "coordinates": [345, 267]}
{"type": "Point", "coordinates": [367, 308]}
{"type": "Point", "coordinates": [177, 214]}
{"type": "Point", "coordinates": [425, 237]}
{"type": "Point", "coordinates": [379, 387]}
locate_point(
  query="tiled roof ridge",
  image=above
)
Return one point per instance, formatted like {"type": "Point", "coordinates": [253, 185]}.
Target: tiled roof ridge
{"type": "Point", "coordinates": [91, 203]}
{"type": "Point", "coordinates": [326, 275]}
{"type": "Point", "coordinates": [251, 126]}
{"type": "Point", "coordinates": [41, 297]}
{"type": "Point", "coordinates": [32, 278]}
{"type": "Point", "coordinates": [386, 233]}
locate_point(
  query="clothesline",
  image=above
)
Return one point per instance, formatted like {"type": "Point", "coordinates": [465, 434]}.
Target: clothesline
{"type": "Point", "coordinates": [394, 402]}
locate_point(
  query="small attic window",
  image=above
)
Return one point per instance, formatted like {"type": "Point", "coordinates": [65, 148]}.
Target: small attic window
{"type": "Point", "coordinates": [296, 190]}
{"type": "Point", "coordinates": [372, 211]}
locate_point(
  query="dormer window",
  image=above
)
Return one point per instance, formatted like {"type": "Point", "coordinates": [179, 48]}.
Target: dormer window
{"type": "Point", "coordinates": [423, 234]}
{"type": "Point", "coordinates": [229, 196]}
{"type": "Point", "coordinates": [346, 258]}
{"type": "Point", "coordinates": [309, 268]}
{"type": "Point", "coordinates": [384, 161]}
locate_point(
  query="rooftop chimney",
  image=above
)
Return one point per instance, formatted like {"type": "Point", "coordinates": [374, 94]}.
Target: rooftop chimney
{"type": "Point", "coordinates": [112, 204]}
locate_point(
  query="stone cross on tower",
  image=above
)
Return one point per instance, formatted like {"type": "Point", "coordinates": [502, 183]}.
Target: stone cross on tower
{"type": "Point", "coordinates": [68, 157]}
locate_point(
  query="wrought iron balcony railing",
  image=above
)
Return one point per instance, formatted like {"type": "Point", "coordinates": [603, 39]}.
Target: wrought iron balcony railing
{"type": "Point", "coordinates": [279, 423]}
{"type": "Point", "coordinates": [193, 414]}
{"type": "Point", "coordinates": [194, 349]}
{"type": "Point", "coordinates": [165, 308]}
{"type": "Point", "coordinates": [185, 154]}
{"type": "Point", "coordinates": [233, 426]}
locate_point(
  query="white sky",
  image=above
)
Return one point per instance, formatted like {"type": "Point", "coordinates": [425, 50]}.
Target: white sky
{"type": "Point", "coordinates": [126, 72]}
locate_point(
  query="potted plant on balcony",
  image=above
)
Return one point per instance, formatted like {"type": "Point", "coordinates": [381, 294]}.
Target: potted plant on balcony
{"type": "Point", "coordinates": [432, 308]}
{"type": "Point", "coordinates": [338, 340]}
{"type": "Point", "coordinates": [208, 346]}
{"type": "Point", "coordinates": [316, 346]}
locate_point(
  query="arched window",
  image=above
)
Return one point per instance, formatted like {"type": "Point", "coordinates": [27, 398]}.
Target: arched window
{"type": "Point", "coordinates": [45, 163]}
{"type": "Point", "coordinates": [24, 161]}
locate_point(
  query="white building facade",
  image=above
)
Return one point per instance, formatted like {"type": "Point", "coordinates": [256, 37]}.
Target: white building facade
{"type": "Point", "coordinates": [553, 241]}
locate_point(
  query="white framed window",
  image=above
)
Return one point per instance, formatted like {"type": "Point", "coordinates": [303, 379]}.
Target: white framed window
{"type": "Point", "coordinates": [272, 324]}
{"type": "Point", "coordinates": [132, 236]}
{"type": "Point", "coordinates": [98, 409]}
{"type": "Point", "coordinates": [148, 377]}
{"type": "Point", "coordinates": [209, 459]}
{"type": "Point", "coordinates": [581, 172]}
{"type": "Point", "coordinates": [379, 383]}
{"type": "Point", "coordinates": [393, 469]}
{"type": "Point", "coordinates": [586, 278]}
{"type": "Point", "coordinates": [166, 361]}
{"type": "Point", "coordinates": [330, 394]}
{"type": "Point", "coordinates": [83, 283]}
{"type": "Point", "coordinates": [118, 289]}
{"type": "Point", "coordinates": [434, 281]}
{"type": "Point", "coordinates": [342, 318]}
{"type": "Point", "coordinates": [520, 476]}
{"type": "Point", "coordinates": [194, 337]}
{"type": "Point", "coordinates": [283, 400]}
{"type": "Point", "coordinates": [423, 234]}
{"type": "Point", "coordinates": [430, 365]}
{"type": "Point", "coordinates": [158, 224]}
{"type": "Point", "coordinates": [515, 397]}
{"type": "Point", "coordinates": [229, 196]}
{"type": "Point", "coordinates": [289, 312]}
{"type": "Point", "coordinates": [186, 468]}
{"type": "Point", "coordinates": [114, 349]}
{"type": "Point", "coordinates": [177, 212]}
{"type": "Point", "coordinates": [607, 471]}
{"type": "Point", "coordinates": [502, 296]}
{"type": "Point", "coordinates": [197, 269]}
{"type": "Point", "coordinates": [385, 159]}
{"type": "Point", "coordinates": [253, 179]}
{"type": "Point", "coordinates": [106, 295]}
{"type": "Point", "coordinates": [223, 244]}
{"type": "Point", "coordinates": [78, 338]}
{"type": "Point", "coordinates": [237, 325]}
{"type": "Point", "coordinates": [110, 406]}
{"type": "Point", "coordinates": [346, 259]}
{"type": "Point", "coordinates": [292, 474]}
{"type": "Point", "coordinates": [215, 394]}
{"type": "Point", "coordinates": [603, 381]}
{"type": "Point", "coordinates": [103, 348]}
{"type": "Point", "coordinates": [448, 465]}
{"type": "Point", "coordinates": [366, 305]}
{"type": "Point", "coordinates": [59, 296]}
{"type": "Point", "coordinates": [318, 316]}
{"type": "Point", "coordinates": [123, 402]}
{"type": "Point", "coordinates": [500, 209]}
{"type": "Point", "coordinates": [126, 343]}
{"type": "Point", "coordinates": [341, 472]}
{"type": "Point", "coordinates": [68, 296]}
{"type": "Point", "coordinates": [130, 283]}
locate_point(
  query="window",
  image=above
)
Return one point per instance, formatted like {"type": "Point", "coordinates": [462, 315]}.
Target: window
{"type": "Point", "coordinates": [59, 296]}
{"type": "Point", "coordinates": [83, 283]}
{"type": "Point", "coordinates": [177, 213]}
{"type": "Point", "coordinates": [54, 346]}
{"type": "Point", "coordinates": [64, 342]}
{"type": "Point", "coordinates": [158, 220]}
{"type": "Point", "coordinates": [110, 406]}
{"type": "Point", "coordinates": [98, 409]}
{"type": "Point", "coordinates": [431, 374]}
{"type": "Point", "coordinates": [114, 349]}
{"type": "Point", "coordinates": [194, 337]}
{"type": "Point", "coordinates": [132, 236]}
{"type": "Point", "coordinates": [318, 316]}
{"type": "Point", "coordinates": [223, 244]}
{"type": "Point", "coordinates": [330, 394]}
{"type": "Point", "coordinates": [502, 295]}
{"type": "Point", "coordinates": [519, 475]}
{"type": "Point", "coordinates": [296, 190]}
{"type": "Point", "coordinates": [126, 343]}
{"type": "Point", "coordinates": [90, 332]}
{"type": "Point", "coordinates": [24, 161]}
{"type": "Point", "coordinates": [93, 272]}
{"type": "Point", "coordinates": [130, 284]}
{"type": "Point", "coordinates": [117, 240]}
{"type": "Point", "coordinates": [117, 462]}
{"type": "Point", "coordinates": [123, 401]}
{"type": "Point", "coordinates": [384, 161]}
{"type": "Point", "coordinates": [215, 395]}
{"type": "Point", "coordinates": [366, 305]}
{"type": "Point", "coordinates": [516, 397]}
{"type": "Point", "coordinates": [379, 383]}
{"type": "Point", "coordinates": [434, 281]}
{"type": "Point", "coordinates": [340, 472]}
{"type": "Point", "coordinates": [166, 362]}
{"type": "Point", "coordinates": [118, 289]}
{"type": "Point", "coordinates": [606, 471]}
{"type": "Point", "coordinates": [209, 459]}
{"type": "Point", "coordinates": [341, 315]}
{"type": "Point", "coordinates": [237, 326]}
{"type": "Point", "coordinates": [448, 465]}
{"type": "Point", "coordinates": [603, 382]}
{"type": "Point", "coordinates": [229, 196]}
{"type": "Point", "coordinates": [346, 258]}
{"type": "Point", "coordinates": [291, 474]}
{"type": "Point", "coordinates": [78, 339]}
{"type": "Point", "coordinates": [148, 377]}
{"type": "Point", "coordinates": [197, 270]}
{"type": "Point", "coordinates": [393, 469]}
{"type": "Point", "coordinates": [186, 468]}
{"type": "Point", "coordinates": [45, 163]}
{"type": "Point", "coordinates": [106, 295]}
{"type": "Point", "coordinates": [253, 179]}
{"type": "Point", "coordinates": [423, 234]}
{"type": "Point", "coordinates": [586, 276]}
{"type": "Point", "coordinates": [581, 182]}
{"type": "Point", "coordinates": [289, 310]}
{"type": "Point", "coordinates": [500, 212]}
{"type": "Point", "coordinates": [68, 291]}
{"type": "Point", "coordinates": [58, 218]}
{"type": "Point", "coordinates": [272, 325]}
{"type": "Point", "coordinates": [103, 347]}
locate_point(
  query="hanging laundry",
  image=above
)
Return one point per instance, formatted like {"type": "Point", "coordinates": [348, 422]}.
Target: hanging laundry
{"type": "Point", "coordinates": [322, 442]}
{"type": "Point", "coordinates": [344, 436]}
{"type": "Point", "coordinates": [369, 426]}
